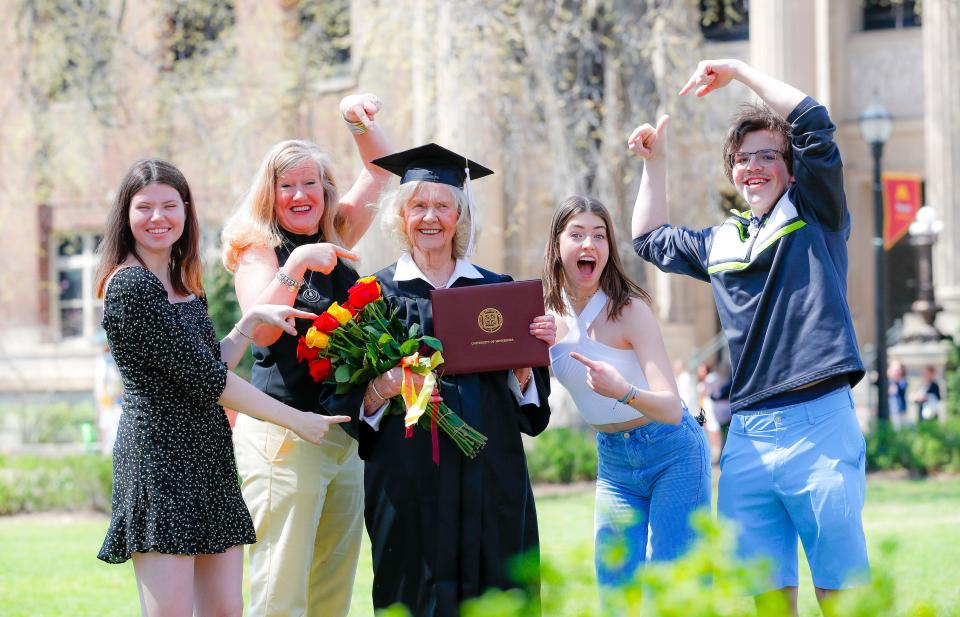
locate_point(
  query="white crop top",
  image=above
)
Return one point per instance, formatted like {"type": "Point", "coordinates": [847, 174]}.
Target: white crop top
{"type": "Point", "coordinates": [594, 408]}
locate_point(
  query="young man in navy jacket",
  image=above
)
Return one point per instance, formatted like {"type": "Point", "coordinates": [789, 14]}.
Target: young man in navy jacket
{"type": "Point", "coordinates": [793, 464]}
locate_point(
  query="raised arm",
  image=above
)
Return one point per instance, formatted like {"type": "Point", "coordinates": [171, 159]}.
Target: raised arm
{"type": "Point", "coordinates": [650, 210]}
{"type": "Point", "coordinates": [353, 212]}
{"type": "Point", "coordinates": [715, 74]}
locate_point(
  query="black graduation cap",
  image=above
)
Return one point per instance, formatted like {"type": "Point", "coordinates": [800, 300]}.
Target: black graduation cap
{"type": "Point", "coordinates": [431, 163]}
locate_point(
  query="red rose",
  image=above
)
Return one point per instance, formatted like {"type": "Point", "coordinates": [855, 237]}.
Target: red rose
{"type": "Point", "coordinates": [366, 290]}
{"type": "Point", "coordinates": [306, 353]}
{"type": "Point", "coordinates": [320, 369]}
{"type": "Point", "coordinates": [350, 308]}
{"type": "Point", "coordinates": [326, 323]}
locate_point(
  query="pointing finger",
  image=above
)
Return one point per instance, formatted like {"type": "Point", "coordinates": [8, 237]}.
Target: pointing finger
{"type": "Point", "coordinates": [662, 123]}
{"type": "Point", "coordinates": [583, 359]}
{"type": "Point", "coordinates": [342, 252]}
{"type": "Point", "coordinates": [338, 419]}
{"type": "Point", "coordinates": [690, 83]}
{"type": "Point", "coordinates": [301, 314]}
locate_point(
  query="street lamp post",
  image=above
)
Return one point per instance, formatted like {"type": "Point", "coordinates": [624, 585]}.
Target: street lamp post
{"type": "Point", "coordinates": [875, 127]}
{"type": "Point", "coordinates": [924, 232]}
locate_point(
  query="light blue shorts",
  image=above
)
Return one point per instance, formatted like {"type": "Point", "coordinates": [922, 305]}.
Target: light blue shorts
{"type": "Point", "coordinates": [799, 470]}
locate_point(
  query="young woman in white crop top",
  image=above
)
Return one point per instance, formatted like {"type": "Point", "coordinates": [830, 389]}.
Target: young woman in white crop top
{"type": "Point", "coordinates": [654, 466]}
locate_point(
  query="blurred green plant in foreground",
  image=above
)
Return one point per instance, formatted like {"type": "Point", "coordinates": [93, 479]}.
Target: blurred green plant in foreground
{"type": "Point", "coordinates": [707, 582]}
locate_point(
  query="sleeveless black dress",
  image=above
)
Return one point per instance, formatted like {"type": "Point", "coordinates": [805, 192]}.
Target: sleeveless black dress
{"type": "Point", "coordinates": [175, 484]}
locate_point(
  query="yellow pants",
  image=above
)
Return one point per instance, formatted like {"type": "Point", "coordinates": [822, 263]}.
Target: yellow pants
{"type": "Point", "coordinates": [307, 507]}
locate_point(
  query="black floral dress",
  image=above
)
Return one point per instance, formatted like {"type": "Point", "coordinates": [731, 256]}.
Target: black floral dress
{"type": "Point", "coordinates": [175, 485]}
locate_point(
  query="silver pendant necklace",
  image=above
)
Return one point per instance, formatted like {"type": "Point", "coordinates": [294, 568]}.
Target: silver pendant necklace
{"type": "Point", "coordinates": [309, 294]}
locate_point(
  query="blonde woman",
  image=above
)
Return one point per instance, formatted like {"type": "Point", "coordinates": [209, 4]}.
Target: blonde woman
{"type": "Point", "coordinates": [286, 244]}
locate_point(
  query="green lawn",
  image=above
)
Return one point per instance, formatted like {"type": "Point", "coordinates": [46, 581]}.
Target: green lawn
{"type": "Point", "coordinates": [48, 565]}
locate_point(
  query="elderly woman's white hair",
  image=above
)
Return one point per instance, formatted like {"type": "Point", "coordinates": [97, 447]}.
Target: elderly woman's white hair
{"type": "Point", "coordinates": [391, 216]}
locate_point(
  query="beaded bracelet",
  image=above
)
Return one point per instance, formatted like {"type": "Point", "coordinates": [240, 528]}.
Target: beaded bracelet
{"type": "Point", "coordinates": [629, 397]}
{"type": "Point", "coordinates": [293, 284]}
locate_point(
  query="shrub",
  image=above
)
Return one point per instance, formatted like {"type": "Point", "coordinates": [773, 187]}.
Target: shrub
{"type": "Point", "coordinates": [563, 455]}
{"type": "Point", "coordinates": [58, 422]}
{"type": "Point", "coordinates": [80, 482]}
{"type": "Point", "coordinates": [224, 309]}
{"type": "Point", "coordinates": [929, 447]}
{"type": "Point", "coordinates": [952, 379]}
{"type": "Point", "coordinates": [707, 582]}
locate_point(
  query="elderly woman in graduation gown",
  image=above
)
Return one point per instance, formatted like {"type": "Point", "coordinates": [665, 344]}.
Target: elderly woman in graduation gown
{"type": "Point", "coordinates": [442, 533]}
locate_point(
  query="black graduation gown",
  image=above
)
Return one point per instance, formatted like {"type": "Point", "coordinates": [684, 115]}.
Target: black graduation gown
{"type": "Point", "coordinates": [442, 534]}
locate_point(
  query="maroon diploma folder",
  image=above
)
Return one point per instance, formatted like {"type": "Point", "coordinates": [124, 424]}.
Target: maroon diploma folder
{"type": "Point", "coordinates": [487, 327]}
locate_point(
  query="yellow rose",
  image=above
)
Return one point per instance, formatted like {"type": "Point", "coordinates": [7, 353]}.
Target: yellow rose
{"type": "Point", "coordinates": [339, 313]}
{"type": "Point", "coordinates": [316, 339]}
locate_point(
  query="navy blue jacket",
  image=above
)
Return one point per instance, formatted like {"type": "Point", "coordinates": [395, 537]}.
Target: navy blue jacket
{"type": "Point", "coordinates": [781, 291]}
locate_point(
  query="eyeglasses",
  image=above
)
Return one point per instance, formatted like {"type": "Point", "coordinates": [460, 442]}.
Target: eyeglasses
{"type": "Point", "coordinates": [764, 157]}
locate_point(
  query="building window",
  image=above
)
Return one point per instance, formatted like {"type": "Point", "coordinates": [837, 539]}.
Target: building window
{"type": "Point", "coordinates": [725, 20]}
{"type": "Point", "coordinates": [890, 14]}
{"type": "Point", "coordinates": [77, 312]}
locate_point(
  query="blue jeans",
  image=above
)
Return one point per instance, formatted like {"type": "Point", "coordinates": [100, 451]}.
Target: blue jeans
{"type": "Point", "coordinates": [650, 480]}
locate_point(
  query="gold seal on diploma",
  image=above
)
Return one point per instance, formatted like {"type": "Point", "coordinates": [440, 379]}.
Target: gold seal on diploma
{"type": "Point", "coordinates": [490, 320]}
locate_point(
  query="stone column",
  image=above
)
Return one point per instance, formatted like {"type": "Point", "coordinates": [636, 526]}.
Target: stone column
{"type": "Point", "coordinates": [941, 65]}
{"type": "Point", "coordinates": [780, 31]}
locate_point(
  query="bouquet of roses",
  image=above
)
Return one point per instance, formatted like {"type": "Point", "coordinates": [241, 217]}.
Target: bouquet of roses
{"type": "Point", "coordinates": [362, 339]}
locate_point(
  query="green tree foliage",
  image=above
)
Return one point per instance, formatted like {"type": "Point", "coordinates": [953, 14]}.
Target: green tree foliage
{"type": "Point", "coordinates": [952, 378]}
{"type": "Point", "coordinates": [224, 309]}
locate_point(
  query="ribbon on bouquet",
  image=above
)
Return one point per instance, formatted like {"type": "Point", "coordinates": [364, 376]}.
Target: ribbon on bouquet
{"type": "Point", "coordinates": [418, 403]}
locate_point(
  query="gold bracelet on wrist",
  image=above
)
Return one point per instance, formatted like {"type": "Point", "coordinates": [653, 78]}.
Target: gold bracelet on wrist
{"type": "Point", "coordinates": [377, 392]}
{"type": "Point", "coordinates": [357, 128]}
{"type": "Point", "coordinates": [242, 333]}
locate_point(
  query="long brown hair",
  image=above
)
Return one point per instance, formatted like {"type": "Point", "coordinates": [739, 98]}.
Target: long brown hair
{"type": "Point", "coordinates": [118, 242]}
{"type": "Point", "coordinates": [613, 280]}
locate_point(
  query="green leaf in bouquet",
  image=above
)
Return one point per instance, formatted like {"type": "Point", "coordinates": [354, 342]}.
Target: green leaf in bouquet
{"type": "Point", "coordinates": [433, 343]}
{"type": "Point", "coordinates": [372, 331]}
{"type": "Point", "coordinates": [414, 330]}
{"type": "Point", "coordinates": [384, 339]}
{"type": "Point", "coordinates": [372, 353]}
{"type": "Point", "coordinates": [409, 346]}
{"type": "Point", "coordinates": [343, 388]}
{"type": "Point", "coordinates": [393, 350]}
{"type": "Point", "coordinates": [361, 375]}
{"type": "Point", "coordinates": [342, 374]}
{"type": "Point", "coordinates": [385, 365]}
